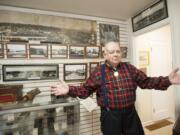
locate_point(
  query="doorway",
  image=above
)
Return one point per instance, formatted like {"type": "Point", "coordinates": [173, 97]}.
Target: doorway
{"type": "Point", "coordinates": [153, 55]}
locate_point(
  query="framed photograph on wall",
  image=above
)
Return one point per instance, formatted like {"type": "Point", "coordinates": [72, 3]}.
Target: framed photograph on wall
{"type": "Point", "coordinates": [1, 50]}
{"type": "Point", "coordinates": [156, 12]}
{"type": "Point", "coordinates": [76, 52]}
{"type": "Point", "coordinates": [38, 51]}
{"type": "Point", "coordinates": [16, 50]}
{"type": "Point", "coordinates": [124, 51]}
{"type": "Point", "coordinates": [30, 72]}
{"type": "Point", "coordinates": [92, 52]}
{"type": "Point", "coordinates": [92, 66]}
{"type": "Point", "coordinates": [59, 51]}
{"type": "Point", "coordinates": [108, 32]}
{"type": "Point", "coordinates": [144, 58]}
{"type": "Point", "coordinates": [75, 72]}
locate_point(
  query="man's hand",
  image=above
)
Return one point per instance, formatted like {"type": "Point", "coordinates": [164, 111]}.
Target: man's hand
{"type": "Point", "coordinates": [60, 89]}
{"type": "Point", "coordinates": [174, 77]}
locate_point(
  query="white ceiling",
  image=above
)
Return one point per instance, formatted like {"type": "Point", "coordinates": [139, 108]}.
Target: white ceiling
{"type": "Point", "coordinates": [113, 9]}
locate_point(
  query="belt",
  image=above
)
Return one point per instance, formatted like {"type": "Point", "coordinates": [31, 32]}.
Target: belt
{"type": "Point", "coordinates": [129, 108]}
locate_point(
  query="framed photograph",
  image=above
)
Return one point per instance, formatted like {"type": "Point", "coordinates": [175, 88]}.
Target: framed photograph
{"type": "Point", "coordinates": [75, 72]}
{"type": "Point", "coordinates": [30, 72]}
{"type": "Point", "coordinates": [92, 52]}
{"type": "Point", "coordinates": [102, 51]}
{"type": "Point", "coordinates": [38, 51]}
{"type": "Point", "coordinates": [92, 66]}
{"type": "Point", "coordinates": [153, 14]}
{"type": "Point", "coordinates": [59, 51]}
{"type": "Point", "coordinates": [1, 50]}
{"type": "Point", "coordinates": [124, 52]}
{"type": "Point", "coordinates": [108, 32]}
{"type": "Point", "coordinates": [143, 58]}
{"type": "Point", "coordinates": [76, 52]}
{"type": "Point", "coordinates": [16, 50]}
{"type": "Point", "coordinates": [143, 69]}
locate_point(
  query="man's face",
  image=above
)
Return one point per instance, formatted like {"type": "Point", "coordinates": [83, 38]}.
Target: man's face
{"type": "Point", "coordinates": [112, 53]}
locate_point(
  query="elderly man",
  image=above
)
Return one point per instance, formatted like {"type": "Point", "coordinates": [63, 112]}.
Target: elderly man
{"type": "Point", "coordinates": [115, 84]}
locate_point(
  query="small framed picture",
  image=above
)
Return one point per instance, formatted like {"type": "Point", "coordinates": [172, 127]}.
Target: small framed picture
{"type": "Point", "coordinates": [38, 51]}
{"type": "Point", "coordinates": [92, 66]}
{"type": "Point", "coordinates": [124, 52]}
{"type": "Point", "coordinates": [1, 50]}
{"type": "Point", "coordinates": [92, 52]}
{"type": "Point", "coordinates": [59, 51]}
{"type": "Point", "coordinates": [76, 52]}
{"type": "Point", "coordinates": [16, 50]}
{"type": "Point", "coordinates": [30, 72]}
{"type": "Point", "coordinates": [75, 72]}
{"type": "Point", "coordinates": [144, 58]}
{"type": "Point", "coordinates": [102, 51]}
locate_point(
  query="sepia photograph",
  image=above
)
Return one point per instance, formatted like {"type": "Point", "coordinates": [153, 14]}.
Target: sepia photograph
{"type": "Point", "coordinates": [38, 51]}
{"type": "Point", "coordinates": [144, 58]}
{"type": "Point", "coordinates": [108, 32]}
{"type": "Point", "coordinates": [76, 52]}
{"type": "Point", "coordinates": [16, 50]}
{"type": "Point", "coordinates": [75, 72]}
{"type": "Point", "coordinates": [1, 51]}
{"type": "Point", "coordinates": [124, 52]}
{"type": "Point", "coordinates": [30, 72]}
{"type": "Point", "coordinates": [92, 66]}
{"type": "Point", "coordinates": [59, 51]}
{"type": "Point", "coordinates": [92, 52]}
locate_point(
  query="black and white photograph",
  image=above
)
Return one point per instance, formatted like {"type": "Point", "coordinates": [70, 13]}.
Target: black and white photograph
{"type": "Point", "coordinates": [38, 51]}
{"type": "Point", "coordinates": [1, 51]}
{"type": "Point", "coordinates": [92, 66]}
{"type": "Point", "coordinates": [75, 72]}
{"type": "Point", "coordinates": [76, 52]}
{"type": "Point", "coordinates": [108, 32]}
{"type": "Point", "coordinates": [30, 72]}
{"type": "Point", "coordinates": [59, 51]}
{"type": "Point", "coordinates": [156, 12]}
{"type": "Point", "coordinates": [92, 52]}
{"type": "Point", "coordinates": [16, 50]}
{"type": "Point", "coordinates": [124, 52]}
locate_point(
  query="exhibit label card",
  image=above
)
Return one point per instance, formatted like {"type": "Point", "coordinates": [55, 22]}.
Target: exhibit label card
{"type": "Point", "coordinates": [89, 104]}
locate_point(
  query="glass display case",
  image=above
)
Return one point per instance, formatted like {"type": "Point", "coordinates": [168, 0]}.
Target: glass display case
{"type": "Point", "coordinates": [55, 118]}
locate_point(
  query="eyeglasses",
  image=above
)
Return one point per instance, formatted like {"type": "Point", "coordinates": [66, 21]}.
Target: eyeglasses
{"type": "Point", "coordinates": [114, 51]}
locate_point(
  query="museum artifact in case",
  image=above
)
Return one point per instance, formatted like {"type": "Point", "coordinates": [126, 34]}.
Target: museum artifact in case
{"type": "Point", "coordinates": [40, 119]}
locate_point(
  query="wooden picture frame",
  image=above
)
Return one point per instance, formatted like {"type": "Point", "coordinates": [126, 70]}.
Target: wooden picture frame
{"type": "Point", "coordinates": [16, 50]}
{"type": "Point", "coordinates": [92, 51]}
{"type": "Point", "coordinates": [124, 52]}
{"type": "Point", "coordinates": [92, 66]}
{"type": "Point", "coordinates": [1, 50]}
{"type": "Point", "coordinates": [75, 72]}
{"type": "Point", "coordinates": [76, 52]}
{"type": "Point", "coordinates": [59, 51]}
{"type": "Point", "coordinates": [156, 12]}
{"type": "Point", "coordinates": [30, 72]}
{"type": "Point", "coordinates": [38, 51]}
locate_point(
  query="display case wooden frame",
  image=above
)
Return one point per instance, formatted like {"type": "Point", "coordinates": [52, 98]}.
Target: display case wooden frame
{"type": "Point", "coordinates": [92, 51]}
{"type": "Point", "coordinates": [16, 50]}
{"type": "Point", "coordinates": [38, 51]}
{"type": "Point", "coordinates": [1, 50]}
{"type": "Point", "coordinates": [59, 51]}
{"type": "Point", "coordinates": [75, 72]}
{"type": "Point", "coordinates": [30, 72]}
{"type": "Point", "coordinates": [152, 14]}
{"type": "Point", "coordinates": [92, 66]}
{"type": "Point", "coordinates": [76, 52]}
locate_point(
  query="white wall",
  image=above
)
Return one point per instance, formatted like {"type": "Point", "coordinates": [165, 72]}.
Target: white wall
{"type": "Point", "coordinates": [174, 10]}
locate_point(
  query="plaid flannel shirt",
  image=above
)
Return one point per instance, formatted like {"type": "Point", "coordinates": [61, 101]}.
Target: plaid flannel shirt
{"type": "Point", "coordinates": [122, 89]}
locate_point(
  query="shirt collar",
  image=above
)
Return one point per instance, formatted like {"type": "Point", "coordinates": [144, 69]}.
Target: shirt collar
{"type": "Point", "coordinates": [110, 66]}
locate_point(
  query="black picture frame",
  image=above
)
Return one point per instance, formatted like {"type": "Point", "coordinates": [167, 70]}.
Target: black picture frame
{"type": "Point", "coordinates": [75, 72]}
{"type": "Point", "coordinates": [156, 12]}
{"type": "Point", "coordinates": [59, 51]}
{"type": "Point", "coordinates": [38, 51]}
{"type": "Point", "coordinates": [30, 72]}
{"type": "Point", "coordinates": [76, 52]}
{"type": "Point", "coordinates": [92, 51]}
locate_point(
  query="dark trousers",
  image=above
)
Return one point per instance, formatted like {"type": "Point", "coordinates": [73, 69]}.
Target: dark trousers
{"type": "Point", "coordinates": [121, 122]}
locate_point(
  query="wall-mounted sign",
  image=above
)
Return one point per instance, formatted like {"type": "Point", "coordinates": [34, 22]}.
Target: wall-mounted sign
{"type": "Point", "coordinates": [153, 14]}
